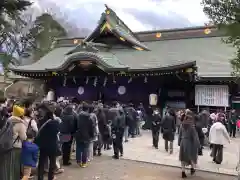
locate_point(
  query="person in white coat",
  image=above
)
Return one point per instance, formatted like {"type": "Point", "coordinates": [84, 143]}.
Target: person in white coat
{"type": "Point", "coordinates": [218, 137]}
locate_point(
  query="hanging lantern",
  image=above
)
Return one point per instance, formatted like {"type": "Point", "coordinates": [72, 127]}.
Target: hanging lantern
{"type": "Point", "coordinates": [95, 81]}
{"type": "Point", "coordinates": [75, 41]}
{"type": "Point", "coordinates": [130, 80]}
{"type": "Point", "coordinates": [153, 99]}
{"type": "Point", "coordinates": [158, 35]}
{"type": "Point", "coordinates": [207, 31]}
{"type": "Point", "coordinates": [105, 81]}
{"type": "Point", "coordinates": [87, 79]}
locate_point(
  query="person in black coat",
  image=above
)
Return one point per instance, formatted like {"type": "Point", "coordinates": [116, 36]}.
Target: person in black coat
{"type": "Point", "coordinates": [198, 126]}
{"type": "Point", "coordinates": [84, 133]}
{"type": "Point", "coordinates": [105, 129]}
{"type": "Point", "coordinates": [168, 129]}
{"type": "Point", "coordinates": [68, 118]}
{"type": "Point", "coordinates": [48, 141]}
{"type": "Point", "coordinates": [156, 124]}
{"type": "Point", "coordinates": [131, 116]}
{"type": "Point", "coordinates": [118, 125]}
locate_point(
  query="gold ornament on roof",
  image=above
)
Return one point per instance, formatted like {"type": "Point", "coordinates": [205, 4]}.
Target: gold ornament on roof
{"type": "Point", "coordinates": [189, 70]}
{"type": "Point", "coordinates": [158, 35]}
{"type": "Point", "coordinates": [138, 48]}
{"type": "Point", "coordinates": [207, 31]}
{"type": "Point", "coordinates": [108, 26]}
{"type": "Point", "coordinates": [107, 12]}
{"type": "Point", "coordinates": [54, 73]}
{"type": "Point", "coordinates": [122, 39]}
{"type": "Point", "coordinates": [75, 41]}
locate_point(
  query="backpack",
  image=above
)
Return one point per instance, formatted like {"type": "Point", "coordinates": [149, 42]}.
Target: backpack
{"type": "Point", "coordinates": [6, 137]}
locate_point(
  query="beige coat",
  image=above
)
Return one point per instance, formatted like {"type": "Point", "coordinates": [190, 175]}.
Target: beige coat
{"type": "Point", "coordinates": [19, 131]}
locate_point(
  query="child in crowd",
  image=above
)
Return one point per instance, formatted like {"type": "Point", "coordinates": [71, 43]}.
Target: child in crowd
{"type": "Point", "coordinates": [29, 156]}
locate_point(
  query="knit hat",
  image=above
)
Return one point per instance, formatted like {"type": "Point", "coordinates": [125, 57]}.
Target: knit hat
{"type": "Point", "coordinates": [18, 111]}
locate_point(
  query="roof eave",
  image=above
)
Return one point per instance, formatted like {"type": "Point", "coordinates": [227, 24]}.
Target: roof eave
{"type": "Point", "coordinates": [167, 68]}
{"type": "Point", "coordinates": [73, 58]}
{"type": "Point", "coordinates": [134, 43]}
{"type": "Point", "coordinates": [108, 68]}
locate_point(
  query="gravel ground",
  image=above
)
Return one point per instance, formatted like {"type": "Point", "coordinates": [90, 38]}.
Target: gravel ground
{"type": "Point", "coordinates": [105, 168]}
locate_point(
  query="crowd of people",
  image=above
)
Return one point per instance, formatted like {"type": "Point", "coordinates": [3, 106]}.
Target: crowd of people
{"type": "Point", "coordinates": [35, 136]}
{"type": "Point", "coordinates": [38, 135]}
{"type": "Point", "coordinates": [195, 131]}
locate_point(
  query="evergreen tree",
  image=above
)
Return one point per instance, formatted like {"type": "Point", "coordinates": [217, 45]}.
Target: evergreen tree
{"type": "Point", "coordinates": [44, 32]}
{"type": "Point", "coordinates": [225, 14]}
{"type": "Point", "coordinates": [11, 9]}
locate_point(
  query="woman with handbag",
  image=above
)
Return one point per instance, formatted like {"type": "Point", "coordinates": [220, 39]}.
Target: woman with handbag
{"type": "Point", "coordinates": [28, 120]}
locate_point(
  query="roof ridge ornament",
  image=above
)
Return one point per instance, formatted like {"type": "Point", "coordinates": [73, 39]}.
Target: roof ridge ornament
{"type": "Point", "coordinates": [112, 24]}
{"type": "Point", "coordinates": [83, 46]}
{"type": "Point", "coordinates": [108, 10]}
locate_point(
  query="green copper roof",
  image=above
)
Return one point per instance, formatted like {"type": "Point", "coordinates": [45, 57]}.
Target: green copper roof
{"type": "Point", "coordinates": [53, 59]}
{"type": "Point", "coordinates": [124, 33]}
{"type": "Point", "coordinates": [59, 59]}
{"type": "Point", "coordinates": [212, 57]}
{"type": "Point", "coordinates": [210, 54]}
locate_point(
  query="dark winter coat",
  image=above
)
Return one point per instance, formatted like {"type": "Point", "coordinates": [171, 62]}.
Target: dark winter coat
{"type": "Point", "coordinates": [112, 114]}
{"type": "Point", "coordinates": [68, 118]}
{"type": "Point", "coordinates": [119, 122]}
{"type": "Point", "coordinates": [198, 126]}
{"type": "Point", "coordinates": [48, 139]}
{"type": "Point", "coordinates": [168, 127]}
{"type": "Point", "coordinates": [156, 121]}
{"type": "Point", "coordinates": [204, 118]}
{"type": "Point", "coordinates": [84, 131]}
{"type": "Point", "coordinates": [127, 120]}
{"type": "Point", "coordinates": [131, 116]}
{"type": "Point", "coordinates": [102, 123]}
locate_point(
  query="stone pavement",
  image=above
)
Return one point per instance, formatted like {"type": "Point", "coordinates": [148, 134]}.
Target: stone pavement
{"type": "Point", "coordinates": [140, 149]}
{"type": "Point", "coordinates": [106, 168]}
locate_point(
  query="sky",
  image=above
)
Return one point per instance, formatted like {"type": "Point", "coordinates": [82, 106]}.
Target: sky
{"type": "Point", "coordinates": [139, 15]}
